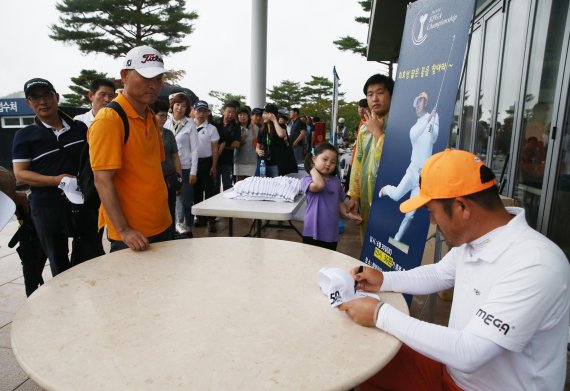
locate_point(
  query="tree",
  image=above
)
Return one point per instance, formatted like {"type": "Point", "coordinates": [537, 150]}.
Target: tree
{"type": "Point", "coordinates": [351, 44]}
{"type": "Point", "coordinates": [286, 94]}
{"type": "Point", "coordinates": [318, 88]}
{"type": "Point", "coordinates": [114, 27]}
{"type": "Point", "coordinates": [81, 85]}
{"type": "Point", "coordinates": [225, 97]}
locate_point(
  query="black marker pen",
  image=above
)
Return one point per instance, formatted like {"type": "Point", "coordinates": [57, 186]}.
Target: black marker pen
{"type": "Point", "coordinates": [360, 270]}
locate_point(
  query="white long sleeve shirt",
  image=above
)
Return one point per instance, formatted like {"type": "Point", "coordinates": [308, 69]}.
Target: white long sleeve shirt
{"type": "Point", "coordinates": [508, 326]}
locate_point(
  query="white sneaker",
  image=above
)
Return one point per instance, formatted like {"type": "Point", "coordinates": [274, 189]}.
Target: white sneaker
{"type": "Point", "coordinates": [180, 228]}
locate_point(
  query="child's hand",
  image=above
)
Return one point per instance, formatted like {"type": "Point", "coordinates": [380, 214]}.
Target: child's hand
{"type": "Point", "coordinates": [356, 218]}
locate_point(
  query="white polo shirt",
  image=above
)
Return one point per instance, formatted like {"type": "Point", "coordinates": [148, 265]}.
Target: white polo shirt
{"type": "Point", "coordinates": [86, 118]}
{"type": "Point", "coordinates": [207, 134]}
{"type": "Point", "coordinates": [187, 142]}
{"type": "Point", "coordinates": [511, 288]}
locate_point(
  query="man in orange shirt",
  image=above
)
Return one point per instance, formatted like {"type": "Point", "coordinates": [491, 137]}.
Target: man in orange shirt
{"type": "Point", "coordinates": [128, 175]}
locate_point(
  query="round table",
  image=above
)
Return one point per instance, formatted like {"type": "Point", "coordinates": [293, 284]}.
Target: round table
{"type": "Point", "coordinates": [198, 314]}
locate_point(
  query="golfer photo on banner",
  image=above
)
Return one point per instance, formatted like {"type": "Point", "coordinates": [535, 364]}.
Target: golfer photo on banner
{"type": "Point", "coordinates": [432, 52]}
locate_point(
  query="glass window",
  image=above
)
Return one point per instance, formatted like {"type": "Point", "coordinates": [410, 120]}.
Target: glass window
{"type": "Point", "coordinates": [487, 86]}
{"type": "Point", "coordinates": [511, 73]}
{"type": "Point", "coordinates": [539, 97]}
{"type": "Point", "coordinates": [559, 230]}
{"type": "Point", "coordinates": [11, 121]}
{"type": "Point", "coordinates": [470, 90]}
{"type": "Point", "coordinates": [16, 122]}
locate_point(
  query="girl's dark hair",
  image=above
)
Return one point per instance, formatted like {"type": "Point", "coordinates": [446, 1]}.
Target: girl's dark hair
{"type": "Point", "coordinates": [318, 150]}
{"type": "Point", "coordinates": [269, 128]}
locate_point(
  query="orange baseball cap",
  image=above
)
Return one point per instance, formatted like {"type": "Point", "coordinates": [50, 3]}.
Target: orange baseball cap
{"type": "Point", "coordinates": [448, 174]}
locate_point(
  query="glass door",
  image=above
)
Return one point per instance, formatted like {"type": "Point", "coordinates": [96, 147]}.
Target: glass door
{"type": "Point", "coordinates": [509, 91]}
{"type": "Point", "coordinates": [557, 209]}
{"type": "Point", "coordinates": [483, 126]}
{"type": "Point", "coordinates": [539, 111]}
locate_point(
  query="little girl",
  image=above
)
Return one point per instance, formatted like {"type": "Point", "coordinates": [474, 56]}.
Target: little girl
{"type": "Point", "coordinates": [324, 198]}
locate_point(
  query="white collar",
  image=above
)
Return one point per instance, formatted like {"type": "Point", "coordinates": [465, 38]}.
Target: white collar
{"type": "Point", "coordinates": [490, 246]}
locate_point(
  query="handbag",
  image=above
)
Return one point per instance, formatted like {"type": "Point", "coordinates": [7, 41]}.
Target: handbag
{"type": "Point", "coordinates": [286, 162]}
{"type": "Point", "coordinates": [173, 180]}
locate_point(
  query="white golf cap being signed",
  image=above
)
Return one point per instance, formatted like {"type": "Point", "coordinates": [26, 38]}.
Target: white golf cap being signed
{"type": "Point", "coordinates": [338, 285]}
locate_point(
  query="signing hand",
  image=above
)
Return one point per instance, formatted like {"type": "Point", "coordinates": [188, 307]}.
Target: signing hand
{"type": "Point", "coordinates": [369, 280]}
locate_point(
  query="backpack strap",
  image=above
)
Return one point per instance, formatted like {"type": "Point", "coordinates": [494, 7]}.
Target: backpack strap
{"type": "Point", "coordinates": [117, 107]}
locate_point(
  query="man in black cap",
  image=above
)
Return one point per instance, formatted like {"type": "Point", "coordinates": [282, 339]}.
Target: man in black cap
{"type": "Point", "coordinates": [43, 154]}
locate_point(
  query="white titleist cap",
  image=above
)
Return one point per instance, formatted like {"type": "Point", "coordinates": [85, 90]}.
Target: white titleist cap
{"type": "Point", "coordinates": [7, 209]}
{"type": "Point", "coordinates": [69, 187]}
{"type": "Point", "coordinates": [146, 60]}
{"type": "Point", "coordinates": [338, 285]}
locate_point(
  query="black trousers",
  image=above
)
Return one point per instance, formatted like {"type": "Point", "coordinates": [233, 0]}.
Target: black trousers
{"type": "Point", "coordinates": [204, 186]}
{"type": "Point", "coordinates": [55, 225]}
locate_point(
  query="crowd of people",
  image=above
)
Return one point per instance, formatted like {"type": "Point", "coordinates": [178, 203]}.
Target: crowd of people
{"type": "Point", "coordinates": [152, 160]}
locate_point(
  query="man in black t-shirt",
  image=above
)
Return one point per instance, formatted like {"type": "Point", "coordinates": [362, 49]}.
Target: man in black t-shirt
{"type": "Point", "coordinates": [297, 139]}
{"type": "Point", "coordinates": [230, 140]}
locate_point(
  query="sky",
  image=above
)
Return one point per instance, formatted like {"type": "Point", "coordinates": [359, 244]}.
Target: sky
{"type": "Point", "coordinates": [299, 44]}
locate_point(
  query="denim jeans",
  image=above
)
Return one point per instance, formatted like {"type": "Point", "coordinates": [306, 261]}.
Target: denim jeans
{"type": "Point", "coordinates": [187, 198]}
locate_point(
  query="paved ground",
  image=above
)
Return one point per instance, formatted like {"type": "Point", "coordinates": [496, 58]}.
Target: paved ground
{"type": "Point", "coordinates": [12, 294]}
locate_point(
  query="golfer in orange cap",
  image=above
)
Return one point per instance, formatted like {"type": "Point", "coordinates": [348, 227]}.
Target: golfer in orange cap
{"type": "Point", "coordinates": [508, 327]}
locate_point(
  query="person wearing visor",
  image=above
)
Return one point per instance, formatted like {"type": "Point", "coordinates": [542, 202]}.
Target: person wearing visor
{"type": "Point", "coordinates": [508, 326]}
{"type": "Point", "coordinates": [128, 174]}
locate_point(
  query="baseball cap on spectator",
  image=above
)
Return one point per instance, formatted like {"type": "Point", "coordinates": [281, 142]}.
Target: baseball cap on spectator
{"type": "Point", "coordinates": [341, 120]}
{"type": "Point", "coordinates": [37, 83]}
{"type": "Point", "coordinates": [201, 104]}
{"type": "Point", "coordinates": [257, 111]}
{"type": "Point", "coordinates": [146, 61]}
{"type": "Point", "coordinates": [338, 286]}
{"type": "Point", "coordinates": [71, 190]}
{"type": "Point", "coordinates": [271, 108]}
{"type": "Point", "coordinates": [449, 174]}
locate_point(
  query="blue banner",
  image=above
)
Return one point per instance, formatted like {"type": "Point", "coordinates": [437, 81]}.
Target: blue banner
{"type": "Point", "coordinates": [429, 69]}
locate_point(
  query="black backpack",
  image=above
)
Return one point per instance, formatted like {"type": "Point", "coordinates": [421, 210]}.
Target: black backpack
{"type": "Point", "coordinates": [85, 178]}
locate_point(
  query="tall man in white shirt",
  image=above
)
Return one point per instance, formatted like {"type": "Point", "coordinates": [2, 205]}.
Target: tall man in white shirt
{"type": "Point", "coordinates": [101, 92]}
{"type": "Point", "coordinates": [508, 326]}
{"type": "Point", "coordinates": [422, 135]}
